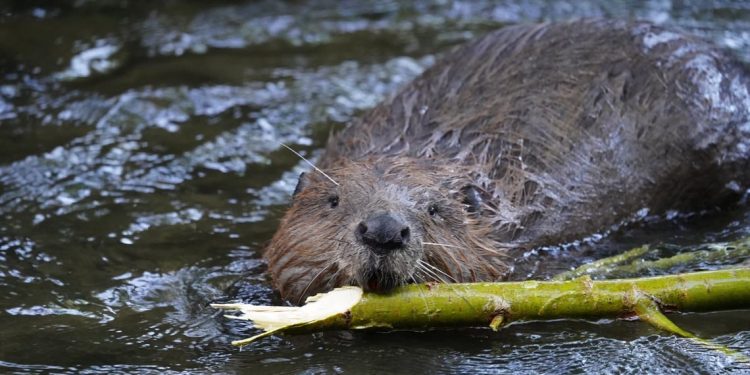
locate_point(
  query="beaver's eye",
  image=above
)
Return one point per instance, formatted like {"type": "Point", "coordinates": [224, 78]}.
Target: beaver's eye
{"type": "Point", "coordinates": [432, 209]}
{"type": "Point", "coordinates": [333, 200]}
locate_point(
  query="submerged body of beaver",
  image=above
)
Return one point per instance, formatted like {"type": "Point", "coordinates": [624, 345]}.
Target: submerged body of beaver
{"type": "Point", "coordinates": [529, 136]}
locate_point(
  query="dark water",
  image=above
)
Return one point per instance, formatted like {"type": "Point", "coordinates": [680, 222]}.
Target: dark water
{"type": "Point", "coordinates": [140, 174]}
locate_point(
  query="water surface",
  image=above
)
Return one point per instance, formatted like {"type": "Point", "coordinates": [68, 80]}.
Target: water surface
{"type": "Point", "coordinates": [140, 175]}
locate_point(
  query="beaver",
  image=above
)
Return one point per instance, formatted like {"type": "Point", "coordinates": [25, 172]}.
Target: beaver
{"type": "Point", "coordinates": [530, 136]}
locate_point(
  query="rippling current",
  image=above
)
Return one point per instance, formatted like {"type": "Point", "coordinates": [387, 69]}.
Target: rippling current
{"type": "Point", "coordinates": [141, 173]}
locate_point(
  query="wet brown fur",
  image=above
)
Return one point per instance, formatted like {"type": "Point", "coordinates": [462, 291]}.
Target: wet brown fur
{"type": "Point", "coordinates": [562, 130]}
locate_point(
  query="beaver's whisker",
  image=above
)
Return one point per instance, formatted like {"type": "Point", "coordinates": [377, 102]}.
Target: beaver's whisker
{"type": "Point", "coordinates": [421, 292]}
{"type": "Point", "coordinates": [416, 278]}
{"type": "Point", "coordinates": [422, 270]}
{"type": "Point", "coordinates": [421, 266]}
{"type": "Point", "coordinates": [451, 260]}
{"type": "Point", "coordinates": [439, 271]}
{"type": "Point", "coordinates": [311, 164]}
{"type": "Point", "coordinates": [424, 276]}
{"type": "Point", "coordinates": [442, 272]}
{"type": "Point", "coordinates": [440, 244]}
{"type": "Point", "coordinates": [332, 280]}
{"type": "Point", "coordinates": [302, 295]}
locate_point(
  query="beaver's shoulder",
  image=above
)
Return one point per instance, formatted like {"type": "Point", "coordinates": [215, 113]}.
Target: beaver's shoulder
{"type": "Point", "coordinates": [543, 77]}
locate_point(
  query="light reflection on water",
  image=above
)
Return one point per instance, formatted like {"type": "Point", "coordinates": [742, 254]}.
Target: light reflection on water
{"type": "Point", "coordinates": [140, 174]}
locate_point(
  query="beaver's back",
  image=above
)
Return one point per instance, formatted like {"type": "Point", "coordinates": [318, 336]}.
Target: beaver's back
{"type": "Point", "coordinates": [569, 128]}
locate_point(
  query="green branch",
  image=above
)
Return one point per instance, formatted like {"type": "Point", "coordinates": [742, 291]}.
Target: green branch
{"type": "Point", "coordinates": [632, 263]}
{"type": "Point", "coordinates": [495, 304]}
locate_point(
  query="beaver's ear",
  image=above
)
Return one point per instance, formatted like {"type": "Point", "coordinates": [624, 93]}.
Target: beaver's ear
{"type": "Point", "coordinates": [473, 197]}
{"type": "Point", "coordinates": [302, 182]}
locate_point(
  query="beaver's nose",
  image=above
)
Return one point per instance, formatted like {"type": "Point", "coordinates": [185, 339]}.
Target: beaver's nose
{"type": "Point", "coordinates": [383, 233]}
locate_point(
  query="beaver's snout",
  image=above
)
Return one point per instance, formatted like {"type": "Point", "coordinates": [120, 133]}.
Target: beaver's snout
{"type": "Point", "coordinates": [383, 232]}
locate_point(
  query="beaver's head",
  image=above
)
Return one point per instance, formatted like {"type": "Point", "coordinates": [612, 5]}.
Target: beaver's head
{"type": "Point", "coordinates": [378, 225]}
